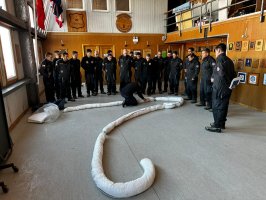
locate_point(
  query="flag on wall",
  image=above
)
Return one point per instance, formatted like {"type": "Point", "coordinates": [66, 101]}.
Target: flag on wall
{"type": "Point", "coordinates": [40, 14]}
{"type": "Point", "coordinates": [58, 10]}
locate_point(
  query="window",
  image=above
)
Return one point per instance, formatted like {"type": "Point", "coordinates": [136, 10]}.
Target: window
{"type": "Point", "coordinates": [76, 4]}
{"type": "Point", "coordinates": [99, 5]}
{"type": "Point", "coordinates": [122, 5]}
{"type": "Point", "coordinates": [8, 53]}
{"type": "Point", "coordinates": [31, 17]}
{"type": "Point", "coordinates": [3, 4]}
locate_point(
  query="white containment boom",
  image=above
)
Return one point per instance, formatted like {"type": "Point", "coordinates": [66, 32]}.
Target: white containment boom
{"type": "Point", "coordinates": [139, 185]}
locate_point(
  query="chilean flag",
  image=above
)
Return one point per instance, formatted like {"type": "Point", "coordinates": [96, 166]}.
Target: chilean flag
{"type": "Point", "coordinates": [58, 10]}
{"type": "Point", "coordinates": [40, 14]}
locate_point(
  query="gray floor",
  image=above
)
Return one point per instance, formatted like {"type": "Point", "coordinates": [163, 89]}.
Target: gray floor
{"type": "Point", "coordinates": [191, 164]}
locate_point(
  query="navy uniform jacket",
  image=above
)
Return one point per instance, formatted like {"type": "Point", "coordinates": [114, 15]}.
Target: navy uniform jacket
{"type": "Point", "coordinates": [160, 64]}
{"type": "Point", "coordinates": [46, 70]}
{"type": "Point", "coordinates": [75, 71]}
{"type": "Point", "coordinates": [99, 66]}
{"type": "Point", "coordinates": [125, 63]}
{"type": "Point", "coordinates": [207, 66]}
{"type": "Point", "coordinates": [64, 70]}
{"type": "Point", "coordinates": [132, 88]}
{"type": "Point", "coordinates": [109, 67]}
{"type": "Point", "coordinates": [176, 65]}
{"type": "Point", "coordinates": [148, 69]}
{"type": "Point", "coordinates": [193, 69]}
{"type": "Point", "coordinates": [167, 65]}
{"type": "Point", "coordinates": [55, 69]}
{"type": "Point", "coordinates": [88, 64]}
{"type": "Point", "coordinates": [223, 74]}
{"type": "Point", "coordinates": [186, 63]}
{"type": "Point", "coordinates": [137, 66]}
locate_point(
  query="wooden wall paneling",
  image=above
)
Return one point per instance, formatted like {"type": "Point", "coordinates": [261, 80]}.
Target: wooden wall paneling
{"type": "Point", "coordinates": [77, 41]}
{"type": "Point", "coordinates": [105, 48]}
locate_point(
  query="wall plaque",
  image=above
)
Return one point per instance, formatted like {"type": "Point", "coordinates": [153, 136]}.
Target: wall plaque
{"type": "Point", "coordinates": [124, 22]}
{"type": "Point", "coordinates": [76, 21]}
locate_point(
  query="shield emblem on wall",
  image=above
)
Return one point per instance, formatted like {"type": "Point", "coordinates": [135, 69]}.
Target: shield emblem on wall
{"type": "Point", "coordinates": [76, 20]}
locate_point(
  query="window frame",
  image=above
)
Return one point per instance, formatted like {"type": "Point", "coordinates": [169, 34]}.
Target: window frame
{"type": "Point", "coordinates": [121, 11]}
{"type": "Point", "coordinates": [104, 11]}
{"type": "Point", "coordinates": [76, 9]}
{"type": "Point", "coordinates": [6, 8]}
{"type": "Point", "coordinates": [10, 81]}
{"type": "Point", "coordinates": [30, 8]}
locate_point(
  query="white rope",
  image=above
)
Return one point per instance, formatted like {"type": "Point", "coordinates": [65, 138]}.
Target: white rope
{"type": "Point", "coordinates": [139, 185]}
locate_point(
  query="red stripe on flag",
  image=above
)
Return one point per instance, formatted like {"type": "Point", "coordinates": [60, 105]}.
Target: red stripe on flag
{"type": "Point", "coordinates": [40, 14]}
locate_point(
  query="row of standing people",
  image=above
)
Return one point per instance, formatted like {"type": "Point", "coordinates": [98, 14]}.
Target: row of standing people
{"type": "Point", "coordinates": [62, 77]}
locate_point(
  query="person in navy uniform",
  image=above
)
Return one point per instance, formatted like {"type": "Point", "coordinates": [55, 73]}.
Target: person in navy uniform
{"type": "Point", "coordinates": [109, 68]}
{"type": "Point", "coordinates": [193, 69]}
{"type": "Point", "coordinates": [148, 72]}
{"type": "Point", "coordinates": [137, 66]}
{"type": "Point", "coordinates": [223, 74]}
{"type": "Point", "coordinates": [131, 54]}
{"type": "Point", "coordinates": [128, 91]}
{"type": "Point", "coordinates": [88, 64]}
{"type": "Point", "coordinates": [75, 75]}
{"type": "Point", "coordinates": [190, 51]}
{"type": "Point", "coordinates": [125, 62]}
{"type": "Point", "coordinates": [207, 66]}
{"type": "Point", "coordinates": [176, 65]}
{"type": "Point", "coordinates": [167, 70]}
{"type": "Point", "coordinates": [57, 55]}
{"type": "Point", "coordinates": [159, 61]}
{"type": "Point", "coordinates": [64, 70]}
{"type": "Point", "coordinates": [114, 61]}
{"type": "Point", "coordinates": [47, 71]}
{"type": "Point", "coordinates": [99, 73]}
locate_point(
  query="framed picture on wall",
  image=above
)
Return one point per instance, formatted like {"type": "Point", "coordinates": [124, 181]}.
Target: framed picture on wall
{"type": "Point", "coordinates": [240, 64]}
{"type": "Point", "coordinates": [262, 63]}
{"type": "Point", "coordinates": [243, 77]}
{"type": "Point", "coordinates": [252, 45]}
{"type": "Point", "coordinates": [136, 51]}
{"type": "Point", "coordinates": [253, 78]}
{"type": "Point", "coordinates": [245, 45]}
{"type": "Point", "coordinates": [238, 46]}
{"type": "Point", "coordinates": [231, 46]}
{"type": "Point", "coordinates": [248, 62]}
{"type": "Point", "coordinates": [255, 63]}
{"type": "Point", "coordinates": [264, 79]}
{"type": "Point", "coordinates": [259, 45]}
